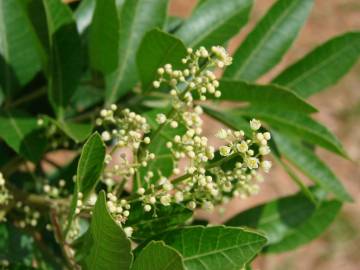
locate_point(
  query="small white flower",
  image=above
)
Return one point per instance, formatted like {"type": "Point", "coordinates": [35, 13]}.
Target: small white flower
{"type": "Point", "coordinates": [255, 124]}
{"type": "Point", "coordinates": [225, 150]}
{"type": "Point", "coordinates": [242, 147]}
{"type": "Point", "coordinates": [252, 163]}
{"type": "Point", "coordinates": [165, 200]}
{"type": "Point", "coordinates": [160, 118]}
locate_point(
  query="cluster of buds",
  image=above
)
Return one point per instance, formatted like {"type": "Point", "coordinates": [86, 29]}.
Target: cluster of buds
{"type": "Point", "coordinates": [55, 191]}
{"type": "Point", "coordinates": [195, 77]}
{"type": "Point", "coordinates": [204, 182]}
{"type": "Point", "coordinates": [31, 216]}
{"type": "Point", "coordinates": [126, 128]}
{"type": "Point", "coordinates": [5, 195]}
{"type": "Point", "coordinates": [120, 209]}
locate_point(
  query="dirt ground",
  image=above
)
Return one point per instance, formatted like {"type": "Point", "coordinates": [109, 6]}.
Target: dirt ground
{"type": "Point", "coordinates": [339, 109]}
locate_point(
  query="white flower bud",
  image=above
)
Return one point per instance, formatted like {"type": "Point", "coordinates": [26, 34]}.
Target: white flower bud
{"type": "Point", "coordinates": [156, 84]}
{"type": "Point", "coordinates": [267, 136]}
{"type": "Point", "coordinates": [174, 124]}
{"type": "Point", "coordinates": [266, 165]}
{"type": "Point", "coordinates": [255, 124]}
{"type": "Point", "coordinates": [128, 231]}
{"type": "Point", "coordinates": [141, 191]}
{"type": "Point", "coordinates": [106, 136]}
{"type": "Point", "coordinates": [264, 150]}
{"type": "Point", "coordinates": [147, 207]}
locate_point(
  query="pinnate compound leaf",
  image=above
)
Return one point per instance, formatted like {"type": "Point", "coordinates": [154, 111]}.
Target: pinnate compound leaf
{"type": "Point", "coordinates": [157, 49]}
{"type": "Point", "coordinates": [271, 38]}
{"type": "Point", "coordinates": [214, 22]}
{"type": "Point", "coordinates": [136, 18]}
{"type": "Point", "coordinates": [65, 61]}
{"type": "Point", "coordinates": [22, 133]}
{"type": "Point", "coordinates": [109, 248]}
{"type": "Point", "coordinates": [264, 95]}
{"type": "Point", "coordinates": [145, 224]}
{"type": "Point", "coordinates": [297, 124]}
{"type": "Point", "coordinates": [157, 255]}
{"type": "Point", "coordinates": [90, 166]}
{"type": "Point", "coordinates": [19, 55]}
{"type": "Point", "coordinates": [277, 217]}
{"type": "Point", "coordinates": [213, 248]}
{"type": "Point", "coordinates": [322, 67]}
{"type": "Point", "coordinates": [104, 37]}
{"type": "Point", "coordinates": [309, 230]}
{"type": "Point", "coordinates": [308, 162]}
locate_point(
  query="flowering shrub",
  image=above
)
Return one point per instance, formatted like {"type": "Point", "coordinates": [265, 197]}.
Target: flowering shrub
{"type": "Point", "coordinates": [104, 161]}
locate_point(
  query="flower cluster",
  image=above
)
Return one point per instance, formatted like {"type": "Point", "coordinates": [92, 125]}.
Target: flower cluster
{"type": "Point", "coordinates": [5, 195]}
{"type": "Point", "coordinates": [30, 215]}
{"type": "Point", "coordinates": [200, 177]}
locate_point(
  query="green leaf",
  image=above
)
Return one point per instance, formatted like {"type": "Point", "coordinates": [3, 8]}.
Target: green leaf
{"type": "Point", "coordinates": [308, 230]}
{"type": "Point", "coordinates": [229, 119]}
{"type": "Point", "coordinates": [322, 67]}
{"type": "Point", "coordinates": [277, 217]}
{"type": "Point", "coordinates": [78, 132]}
{"type": "Point", "coordinates": [218, 247]}
{"type": "Point", "coordinates": [297, 124]}
{"type": "Point", "coordinates": [22, 133]}
{"type": "Point", "coordinates": [136, 18]}
{"type": "Point", "coordinates": [214, 22]}
{"type": "Point", "coordinates": [308, 162]}
{"type": "Point", "coordinates": [271, 38]}
{"type": "Point", "coordinates": [90, 166]}
{"type": "Point", "coordinates": [157, 49]}
{"type": "Point", "coordinates": [110, 249]}
{"type": "Point", "coordinates": [145, 224]}
{"type": "Point", "coordinates": [104, 37]}
{"type": "Point", "coordinates": [157, 255]}
{"type": "Point", "coordinates": [19, 55]}
{"type": "Point", "coordinates": [83, 14]}
{"type": "Point", "coordinates": [65, 55]}
{"type": "Point", "coordinates": [264, 95]}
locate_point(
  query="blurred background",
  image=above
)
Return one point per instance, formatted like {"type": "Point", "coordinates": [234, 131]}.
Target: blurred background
{"type": "Point", "coordinates": [339, 106]}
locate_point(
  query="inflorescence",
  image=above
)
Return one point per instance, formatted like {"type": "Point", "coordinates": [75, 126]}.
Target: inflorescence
{"type": "Point", "coordinates": [200, 177]}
